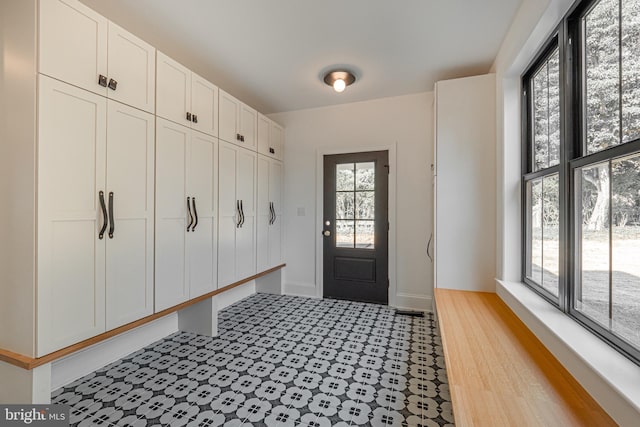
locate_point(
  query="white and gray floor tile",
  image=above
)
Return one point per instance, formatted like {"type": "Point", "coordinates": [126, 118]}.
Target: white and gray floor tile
{"type": "Point", "coordinates": [277, 361]}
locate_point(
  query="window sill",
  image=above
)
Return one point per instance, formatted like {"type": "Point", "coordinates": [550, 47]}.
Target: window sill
{"type": "Point", "coordinates": [607, 375]}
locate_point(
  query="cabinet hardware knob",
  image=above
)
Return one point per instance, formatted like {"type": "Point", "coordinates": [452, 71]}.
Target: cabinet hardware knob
{"type": "Point", "coordinates": [194, 119]}
{"type": "Point", "coordinates": [112, 84]}
{"type": "Point", "coordinates": [102, 80]}
{"type": "Point", "coordinates": [272, 151]}
{"type": "Point", "coordinates": [188, 116]}
{"type": "Point", "coordinates": [237, 137]}
{"type": "Point", "coordinates": [242, 138]}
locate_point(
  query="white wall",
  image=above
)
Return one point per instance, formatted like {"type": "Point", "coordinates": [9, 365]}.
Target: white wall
{"type": "Point", "coordinates": [407, 122]}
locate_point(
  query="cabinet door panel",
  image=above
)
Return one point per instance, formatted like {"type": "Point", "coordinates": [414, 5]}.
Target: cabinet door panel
{"type": "Point", "coordinates": [173, 90]}
{"type": "Point", "coordinates": [228, 116]}
{"type": "Point", "coordinates": [275, 231]}
{"type": "Point", "coordinates": [132, 65]}
{"type": "Point", "coordinates": [73, 43]}
{"type": "Point", "coordinates": [202, 241]}
{"type": "Point", "coordinates": [204, 103]}
{"type": "Point", "coordinates": [264, 135]}
{"type": "Point", "coordinates": [263, 215]}
{"type": "Point", "coordinates": [277, 141]}
{"type": "Point", "coordinates": [246, 240]}
{"type": "Point", "coordinates": [131, 177]}
{"type": "Point", "coordinates": [227, 214]}
{"type": "Point", "coordinates": [71, 258]}
{"type": "Point", "coordinates": [171, 251]}
{"type": "Point", "coordinates": [248, 126]}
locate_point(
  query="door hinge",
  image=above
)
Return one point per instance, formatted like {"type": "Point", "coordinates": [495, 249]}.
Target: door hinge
{"type": "Point", "coordinates": [388, 168]}
{"type": "Point", "coordinates": [388, 226]}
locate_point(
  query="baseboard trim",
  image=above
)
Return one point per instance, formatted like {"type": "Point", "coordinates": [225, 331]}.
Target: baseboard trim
{"type": "Point", "coordinates": [300, 290]}
{"type": "Point", "coordinates": [414, 302]}
{"type": "Point", "coordinates": [87, 360]}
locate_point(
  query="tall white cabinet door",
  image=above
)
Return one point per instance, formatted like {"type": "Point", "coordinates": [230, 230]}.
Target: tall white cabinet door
{"type": "Point", "coordinates": [73, 43]}
{"type": "Point", "coordinates": [201, 184]}
{"type": "Point", "coordinates": [71, 257]}
{"type": "Point", "coordinates": [172, 282]}
{"type": "Point", "coordinates": [228, 117]}
{"type": "Point", "coordinates": [132, 66]}
{"type": "Point", "coordinates": [264, 134]}
{"type": "Point", "coordinates": [130, 187]}
{"type": "Point", "coordinates": [204, 104]}
{"type": "Point", "coordinates": [173, 90]}
{"type": "Point", "coordinates": [263, 214]}
{"type": "Point", "coordinates": [275, 230]}
{"type": "Point", "coordinates": [228, 215]}
{"type": "Point", "coordinates": [246, 193]}
{"type": "Point", "coordinates": [248, 126]}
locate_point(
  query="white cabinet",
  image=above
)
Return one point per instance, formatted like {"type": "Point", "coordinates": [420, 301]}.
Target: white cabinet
{"type": "Point", "coordinates": [237, 214]}
{"type": "Point", "coordinates": [270, 138]}
{"type": "Point", "coordinates": [269, 213]}
{"type": "Point", "coordinates": [464, 182]}
{"type": "Point", "coordinates": [89, 183]}
{"type": "Point", "coordinates": [186, 98]}
{"type": "Point", "coordinates": [80, 47]}
{"type": "Point", "coordinates": [130, 183]}
{"type": "Point", "coordinates": [185, 214]}
{"type": "Point", "coordinates": [238, 122]}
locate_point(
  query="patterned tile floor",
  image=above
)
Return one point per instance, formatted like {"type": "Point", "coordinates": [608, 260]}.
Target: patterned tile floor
{"type": "Point", "coordinates": [277, 361]}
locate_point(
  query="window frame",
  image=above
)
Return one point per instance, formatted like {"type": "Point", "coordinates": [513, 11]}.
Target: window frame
{"type": "Point", "coordinates": [528, 157]}
{"type": "Point", "coordinates": [568, 37]}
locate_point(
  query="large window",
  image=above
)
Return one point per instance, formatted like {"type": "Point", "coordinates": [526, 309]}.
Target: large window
{"type": "Point", "coordinates": [581, 170]}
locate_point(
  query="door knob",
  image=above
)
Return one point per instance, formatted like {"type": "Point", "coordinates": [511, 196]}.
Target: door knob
{"type": "Point", "coordinates": [326, 233]}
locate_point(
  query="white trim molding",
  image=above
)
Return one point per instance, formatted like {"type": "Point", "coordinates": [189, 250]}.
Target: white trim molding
{"type": "Point", "coordinates": [414, 302]}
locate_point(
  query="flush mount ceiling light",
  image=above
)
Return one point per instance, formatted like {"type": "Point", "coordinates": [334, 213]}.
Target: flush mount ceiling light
{"type": "Point", "coordinates": [339, 79]}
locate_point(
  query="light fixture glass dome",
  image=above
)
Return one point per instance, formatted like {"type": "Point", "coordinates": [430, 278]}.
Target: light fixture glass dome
{"type": "Point", "coordinates": [339, 79]}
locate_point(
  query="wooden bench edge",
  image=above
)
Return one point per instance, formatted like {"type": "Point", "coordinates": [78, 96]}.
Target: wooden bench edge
{"type": "Point", "coordinates": [28, 363]}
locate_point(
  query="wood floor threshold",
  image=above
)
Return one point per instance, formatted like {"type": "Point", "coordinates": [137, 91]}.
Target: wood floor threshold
{"type": "Point", "coordinates": [500, 374]}
{"type": "Point", "coordinates": [28, 363]}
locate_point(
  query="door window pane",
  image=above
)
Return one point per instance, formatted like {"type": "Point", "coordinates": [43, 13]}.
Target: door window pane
{"type": "Point", "coordinates": [625, 262]}
{"type": "Point", "coordinates": [365, 205]}
{"type": "Point", "coordinates": [345, 177]}
{"type": "Point", "coordinates": [592, 290]}
{"type": "Point", "coordinates": [546, 113]}
{"type": "Point", "coordinates": [345, 234]}
{"type": "Point", "coordinates": [365, 232]}
{"type": "Point", "coordinates": [344, 205]}
{"type": "Point", "coordinates": [365, 176]}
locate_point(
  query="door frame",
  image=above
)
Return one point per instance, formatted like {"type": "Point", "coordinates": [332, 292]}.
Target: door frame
{"type": "Point", "coordinates": [391, 148]}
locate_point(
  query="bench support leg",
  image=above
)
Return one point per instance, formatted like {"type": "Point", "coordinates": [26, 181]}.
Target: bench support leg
{"type": "Point", "coordinates": [22, 386]}
{"type": "Point", "coordinates": [200, 318]}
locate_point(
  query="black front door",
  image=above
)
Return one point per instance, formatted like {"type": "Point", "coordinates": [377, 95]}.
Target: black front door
{"type": "Point", "coordinates": [356, 226]}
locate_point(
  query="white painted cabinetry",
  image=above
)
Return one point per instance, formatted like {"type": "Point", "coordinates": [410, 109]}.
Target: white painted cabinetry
{"type": "Point", "coordinates": [270, 138]}
{"type": "Point", "coordinates": [81, 47]}
{"type": "Point", "coordinates": [238, 122]}
{"type": "Point", "coordinates": [464, 182]}
{"type": "Point", "coordinates": [269, 213]}
{"type": "Point", "coordinates": [186, 98]}
{"type": "Point", "coordinates": [237, 214]}
{"type": "Point", "coordinates": [95, 214]}
{"type": "Point", "coordinates": [185, 214]}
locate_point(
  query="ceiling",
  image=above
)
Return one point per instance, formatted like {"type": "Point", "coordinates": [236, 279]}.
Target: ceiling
{"type": "Point", "coordinates": [272, 54]}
